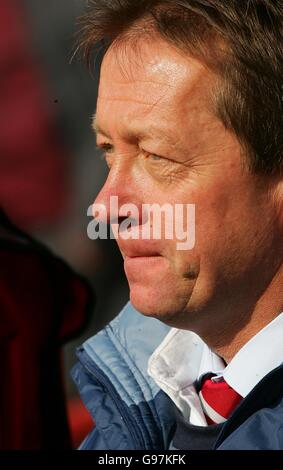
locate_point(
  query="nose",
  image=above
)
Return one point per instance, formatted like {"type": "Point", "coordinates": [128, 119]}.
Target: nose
{"type": "Point", "coordinates": [111, 206]}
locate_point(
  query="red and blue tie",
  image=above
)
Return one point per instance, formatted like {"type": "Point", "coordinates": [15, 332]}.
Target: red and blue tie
{"type": "Point", "coordinates": [218, 400]}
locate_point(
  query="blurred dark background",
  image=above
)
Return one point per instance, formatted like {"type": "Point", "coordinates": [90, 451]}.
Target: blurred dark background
{"type": "Point", "coordinates": [50, 171]}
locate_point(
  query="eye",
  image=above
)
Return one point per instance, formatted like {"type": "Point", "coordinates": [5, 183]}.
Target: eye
{"type": "Point", "coordinates": [106, 151]}
{"type": "Point", "coordinates": [105, 147]}
{"type": "Point", "coordinates": [153, 157]}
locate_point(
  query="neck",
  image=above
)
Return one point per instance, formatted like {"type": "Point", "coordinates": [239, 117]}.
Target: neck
{"type": "Point", "coordinates": [244, 325]}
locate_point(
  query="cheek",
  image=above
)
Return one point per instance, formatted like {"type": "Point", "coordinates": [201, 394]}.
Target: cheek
{"type": "Point", "coordinates": [231, 231]}
{"type": "Point", "coordinates": [211, 232]}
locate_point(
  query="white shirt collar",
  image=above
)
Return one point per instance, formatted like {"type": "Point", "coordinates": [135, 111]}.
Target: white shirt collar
{"type": "Point", "coordinates": [183, 357]}
{"type": "Point", "coordinates": [258, 357]}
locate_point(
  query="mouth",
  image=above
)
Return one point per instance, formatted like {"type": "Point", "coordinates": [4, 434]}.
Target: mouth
{"type": "Point", "coordinates": [140, 257]}
{"type": "Point", "coordinates": [141, 262]}
{"type": "Point", "coordinates": [137, 250]}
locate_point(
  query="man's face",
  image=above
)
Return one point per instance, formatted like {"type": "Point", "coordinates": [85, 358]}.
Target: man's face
{"type": "Point", "coordinates": [165, 145]}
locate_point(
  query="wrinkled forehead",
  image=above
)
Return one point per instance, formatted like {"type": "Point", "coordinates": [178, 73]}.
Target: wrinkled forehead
{"type": "Point", "coordinates": [151, 65]}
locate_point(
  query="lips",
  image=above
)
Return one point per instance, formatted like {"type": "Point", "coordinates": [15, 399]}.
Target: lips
{"type": "Point", "coordinates": [139, 268]}
{"type": "Point", "coordinates": [137, 250]}
{"type": "Point", "coordinates": [142, 260]}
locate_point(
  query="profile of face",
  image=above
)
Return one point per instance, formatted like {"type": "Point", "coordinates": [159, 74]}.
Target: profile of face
{"type": "Point", "coordinates": [163, 144]}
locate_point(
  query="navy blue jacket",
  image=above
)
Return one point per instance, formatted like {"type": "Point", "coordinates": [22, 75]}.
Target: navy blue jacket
{"type": "Point", "coordinates": [130, 410]}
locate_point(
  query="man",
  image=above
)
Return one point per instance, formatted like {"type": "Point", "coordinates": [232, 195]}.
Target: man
{"type": "Point", "coordinates": [190, 111]}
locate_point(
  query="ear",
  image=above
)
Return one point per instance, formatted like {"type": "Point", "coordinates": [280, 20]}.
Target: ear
{"type": "Point", "coordinates": [277, 199]}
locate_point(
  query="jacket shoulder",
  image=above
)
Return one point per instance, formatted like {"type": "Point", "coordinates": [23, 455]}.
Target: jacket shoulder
{"type": "Point", "coordinates": [262, 431]}
{"type": "Point", "coordinates": [128, 407]}
{"type": "Point", "coordinates": [257, 423]}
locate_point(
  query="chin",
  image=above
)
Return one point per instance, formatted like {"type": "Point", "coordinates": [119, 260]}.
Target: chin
{"type": "Point", "coordinates": [158, 303]}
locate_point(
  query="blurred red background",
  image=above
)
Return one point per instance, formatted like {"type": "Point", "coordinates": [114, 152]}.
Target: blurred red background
{"type": "Point", "coordinates": [49, 174]}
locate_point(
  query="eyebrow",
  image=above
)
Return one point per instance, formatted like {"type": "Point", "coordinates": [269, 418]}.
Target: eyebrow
{"type": "Point", "coordinates": [97, 129]}
{"type": "Point", "coordinates": [133, 135]}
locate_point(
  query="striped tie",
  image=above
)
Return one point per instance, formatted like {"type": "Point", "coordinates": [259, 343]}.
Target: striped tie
{"type": "Point", "coordinates": [218, 400]}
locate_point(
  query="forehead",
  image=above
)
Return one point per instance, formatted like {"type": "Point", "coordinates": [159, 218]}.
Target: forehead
{"type": "Point", "coordinates": [150, 80]}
